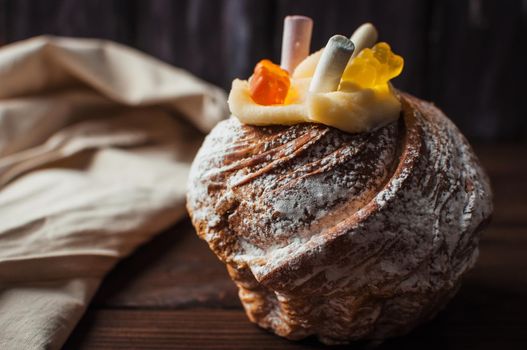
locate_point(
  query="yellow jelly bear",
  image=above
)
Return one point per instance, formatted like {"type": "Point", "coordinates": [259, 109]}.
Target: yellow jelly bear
{"type": "Point", "coordinates": [373, 67]}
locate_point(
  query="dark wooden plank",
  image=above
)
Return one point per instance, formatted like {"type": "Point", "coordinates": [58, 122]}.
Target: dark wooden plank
{"type": "Point", "coordinates": [477, 52]}
{"type": "Point", "coordinates": [481, 316]}
{"type": "Point", "coordinates": [503, 160]}
{"type": "Point", "coordinates": [506, 166]}
{"type": "Point", "coordinates": [467, 56]}
{"type": "Point", "coordinates": [487, 313]}
{"type": "Point", "coordinates": [183, 329]}
{"type": "Point", "coordinates": [108, 19]}
{"type": "Point", "coordinates": [175, 270]}
{"type": "Point", "coordinates": [3, 22]}
{"type": "Point", "coordinates": [216, 40]}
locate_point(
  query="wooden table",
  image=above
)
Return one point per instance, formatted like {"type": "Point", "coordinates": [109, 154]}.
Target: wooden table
{"type": "Point", "coordinates": [173, 293]}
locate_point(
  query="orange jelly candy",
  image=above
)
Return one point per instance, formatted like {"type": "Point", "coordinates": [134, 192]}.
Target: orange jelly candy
{"type": "Point", "coordinates": [269, 83]}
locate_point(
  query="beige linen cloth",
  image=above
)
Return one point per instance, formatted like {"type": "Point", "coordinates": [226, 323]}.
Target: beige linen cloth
{"type": "Point", "coordinates": [95, 145]}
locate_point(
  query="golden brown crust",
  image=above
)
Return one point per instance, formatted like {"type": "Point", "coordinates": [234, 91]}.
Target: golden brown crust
{"type": "Point", "coordinates": [342, 236]}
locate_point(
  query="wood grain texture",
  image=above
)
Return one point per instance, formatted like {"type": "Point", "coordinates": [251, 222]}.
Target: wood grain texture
{"type": "Point", "coordinates": [173, 293]}
{"type": "Point", "coordinates": [466, 55]}
{"type": "Point", "coordinates": [96, 18]}
{"type": "Point", "coordinates": [506, 164]}
{"type": "Point", "coordinates": [488, 312]}
{"type": "Point", "coordinates": [229, 329]}
{"type": "Point", "coordinates": [475, 51]}
{"type": "Point", "coordinates": [175, 270]}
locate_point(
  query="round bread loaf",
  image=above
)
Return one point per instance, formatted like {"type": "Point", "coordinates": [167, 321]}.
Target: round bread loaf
{"type": "Point", "coordinates": [342, 236]}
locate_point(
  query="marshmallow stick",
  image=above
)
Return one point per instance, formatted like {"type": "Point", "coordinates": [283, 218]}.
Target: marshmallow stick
{"type": "Point", "coordinates": [363, 37]}
{"type": "Point", "coordinates": [295, 41]}
{"type": "Point", "coordinates": [332, 63]}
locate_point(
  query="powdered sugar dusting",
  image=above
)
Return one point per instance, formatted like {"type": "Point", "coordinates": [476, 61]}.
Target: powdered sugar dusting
{"type": "Point", "coordinates": [343, 236]}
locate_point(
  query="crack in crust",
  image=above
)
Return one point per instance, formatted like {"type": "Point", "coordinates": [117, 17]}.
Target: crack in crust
{"type": "Point", "coordinates": [342, 236]}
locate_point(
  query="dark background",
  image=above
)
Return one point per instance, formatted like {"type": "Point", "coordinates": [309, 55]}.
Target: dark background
{"type": "Point", "coordinates": [468, 56]}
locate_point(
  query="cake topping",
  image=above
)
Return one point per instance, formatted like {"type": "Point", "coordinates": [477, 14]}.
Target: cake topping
{"type": "Point", "coordinates": [365, 36]}
{"type": "Point", "coordinates": [332, 64]}
{"type": "Point", "coordinates": [373, 67]}
{"type": "Point", "coordinates": [296, 40]}
{"type": "Point", "coordinates": [269, 83]}
{"type": "Point", "coordinates": [345, 85]}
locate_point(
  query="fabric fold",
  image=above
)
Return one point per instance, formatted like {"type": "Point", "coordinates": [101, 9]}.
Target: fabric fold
{"type": "Point", "coordinates": [95, 145]}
